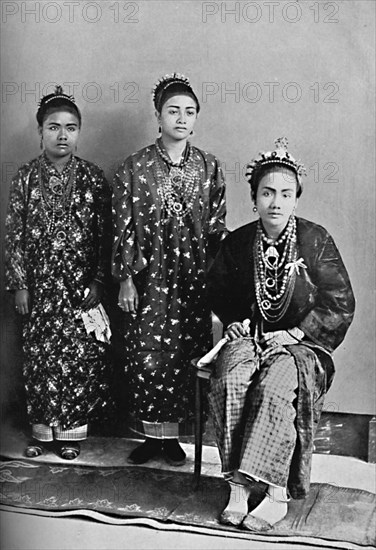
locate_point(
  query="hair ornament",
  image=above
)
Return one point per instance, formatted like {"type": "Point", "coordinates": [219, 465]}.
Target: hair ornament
{"type": "Point", "coordinates": [280, 156]}
{"type": "Point", "coordinates": [57, 94]}
{"type": "Point", "coordinates": [178, 82]}
{"type": "Point", "coordinates": [55, 100]}
{"type": "Point", "coordinates": [167, 80]}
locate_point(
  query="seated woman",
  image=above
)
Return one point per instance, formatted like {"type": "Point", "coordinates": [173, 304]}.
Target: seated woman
{"type": "Point", "coordinates": [57, 259]}
{"type": "Point", "coordinates": [285, 276]}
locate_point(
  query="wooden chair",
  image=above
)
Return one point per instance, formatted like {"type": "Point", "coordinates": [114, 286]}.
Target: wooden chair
{"type": "Point", "coordinates": [202, 377]}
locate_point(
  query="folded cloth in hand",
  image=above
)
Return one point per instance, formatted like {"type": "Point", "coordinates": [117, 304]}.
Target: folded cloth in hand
{"type": "Point", "coordinates": [96, 320]}
{"type": "Point", "coordinates": [212, 354]}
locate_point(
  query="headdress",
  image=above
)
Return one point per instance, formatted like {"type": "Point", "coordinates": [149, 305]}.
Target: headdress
{"type": "Point", "coordinates": [56, 99]}
{"type": "Point", "coordinates": [279, 157]}
{"type": "Point", "coordinates": [172, 84]}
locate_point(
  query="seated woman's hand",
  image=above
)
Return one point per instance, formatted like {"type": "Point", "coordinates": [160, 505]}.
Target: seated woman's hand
{"type": "Point", "coordinates": [282, 337]}
{"type": "Point", "coordinates": [128, 296]}
{"type": "Point", "coordinates": [236, 330]}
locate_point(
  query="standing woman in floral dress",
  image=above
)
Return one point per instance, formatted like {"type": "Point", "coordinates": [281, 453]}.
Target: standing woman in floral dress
{"type": "Point", "coordinates": [169, 210]}
{"type": "Point", "coordinates": [58, 233]}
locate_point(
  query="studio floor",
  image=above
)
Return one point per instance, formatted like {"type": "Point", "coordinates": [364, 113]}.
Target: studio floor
{"type": "Point", "coordinates": [25, 530]}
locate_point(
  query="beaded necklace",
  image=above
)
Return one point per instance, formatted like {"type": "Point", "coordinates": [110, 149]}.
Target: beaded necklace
{"type": "Point", "coordinates": [178, 188]}
{"type": "Point", "coordinates": [166, 158]}
{"type": "Point", "coordinates": [274, 281]}
{"type": "Point", "coordinates": [56, 192]}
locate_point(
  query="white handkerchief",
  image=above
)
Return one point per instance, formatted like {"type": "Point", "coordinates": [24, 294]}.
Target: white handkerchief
{"type": "Point", "coordinates": [96, 320]}
{"type": "Point", "coordinates": [212, 354]}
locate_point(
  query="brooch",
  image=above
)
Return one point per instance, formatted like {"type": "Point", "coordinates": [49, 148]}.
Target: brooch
{"type": "Point", "coordinates": [295, 266]}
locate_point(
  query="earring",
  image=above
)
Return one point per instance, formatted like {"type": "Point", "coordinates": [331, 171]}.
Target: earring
{"type": "Point", "coordinates": [255, 209]}
{"type": "Point", "coordinates": [192, 133]}
{"type": "Point", "coordinates": [41, 142]}
{"type": "Point", "coordinates": [159, 129]}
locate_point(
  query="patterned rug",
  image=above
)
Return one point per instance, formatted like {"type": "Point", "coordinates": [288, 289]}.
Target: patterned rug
{"type": "Point", "coordinates": [329, 513]}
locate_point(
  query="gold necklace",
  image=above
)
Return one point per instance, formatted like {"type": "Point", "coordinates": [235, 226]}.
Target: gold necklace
{"type": "Point", "coordinates": [178, 188]}
{"type": "Point", "coordinates": [56, 196]}
{"type": "Point", "coordinates": [183, 161]}
{"type": "Point", "coordinates": [274, 281]}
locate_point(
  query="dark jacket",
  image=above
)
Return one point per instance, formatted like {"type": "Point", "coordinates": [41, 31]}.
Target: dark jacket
{"type": "Point", "coordinates": [322, 306]}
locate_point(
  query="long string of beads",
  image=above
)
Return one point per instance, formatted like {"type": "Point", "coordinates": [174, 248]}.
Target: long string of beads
{"type": "Point", "coordinates": [57, 193]}
{"type": "Point", "coordinates": [274, 281]}
{"type": "Point", "coordinates": [178, 188]}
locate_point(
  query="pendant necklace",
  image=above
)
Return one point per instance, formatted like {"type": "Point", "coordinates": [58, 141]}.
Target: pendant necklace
{"type": "Point", "coordinates": [274, 281]}
{"type": "Point", "coordinates": [57, 196]}
{"type": "Point", "coordinates": [178, 188]}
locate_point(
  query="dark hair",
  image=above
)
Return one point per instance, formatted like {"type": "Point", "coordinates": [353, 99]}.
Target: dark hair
{"type": "Point", "coordinates": [255, 180]}
{"type": "Point", "coordinates": [58, 101]}
{"type": "Point", "coordinates": [167, 90]}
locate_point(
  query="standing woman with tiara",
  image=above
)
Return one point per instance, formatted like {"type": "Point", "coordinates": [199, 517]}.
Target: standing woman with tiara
{"type": "Point", "coordinates": [281, 290]}
{"type": "Point", "coordinates": [57, 261]}
{"type": "Point", "coordinates": [169, 208]}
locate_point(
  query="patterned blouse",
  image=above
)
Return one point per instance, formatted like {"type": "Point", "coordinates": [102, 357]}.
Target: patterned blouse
{"type": "Point", "coordinates": [166, 249]}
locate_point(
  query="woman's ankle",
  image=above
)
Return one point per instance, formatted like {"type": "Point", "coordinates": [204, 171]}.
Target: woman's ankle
{"type": "Point", "coordinates": [277, 494]}
{"type": "Point", "coordinates": [239, 478]}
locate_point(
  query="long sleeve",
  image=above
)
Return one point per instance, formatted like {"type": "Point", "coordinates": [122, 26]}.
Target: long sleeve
{"type": "Point", "coordinates": [103, 213]}
{"type": "Point", "coordinates": [127, 257]}
{"type": "Point", "coordinates": [229, 279]}
{"type": "Point", "coordinates": [15, 268]}
{"type": "Point", "coordinates": [327, 322]}
{"type": "Point", "coordinates": [217, 206]}
{"type": "Point", "coordinates": [323, 303]}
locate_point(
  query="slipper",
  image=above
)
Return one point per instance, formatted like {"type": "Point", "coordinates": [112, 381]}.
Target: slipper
{"type": "Point", "coordinates": [69, 450]}
{"type": "Point", "coordinates": [34, 449]}
{"type": "Point", "coordinates": [255, 524]}
{"type": "Point", "coordinates": [173, 453]}
{"type": "Point", "coordinates": [149, 449]}
{"type": "Point", "coordinates": [231, 518]}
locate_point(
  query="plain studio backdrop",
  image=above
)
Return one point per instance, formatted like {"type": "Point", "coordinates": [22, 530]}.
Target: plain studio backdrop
{"type": "Point", "coordinates": [261, 70]}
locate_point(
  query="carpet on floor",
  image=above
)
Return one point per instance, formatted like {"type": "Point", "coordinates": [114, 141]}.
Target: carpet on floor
{"type": "Point", "coordinates": [329, 513]}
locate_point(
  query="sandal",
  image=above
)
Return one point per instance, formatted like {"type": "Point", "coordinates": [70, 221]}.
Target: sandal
{"type": "Point", "coordinates": [70, 450]}
{"type": "Point", "coordinates": [34, 449]}
{"type": "Point", "coordinates": [231, 518]}
{"type": "Point", "coordinates": [258, 525]}
{"type": "Point", "coordinates": [235, 517]}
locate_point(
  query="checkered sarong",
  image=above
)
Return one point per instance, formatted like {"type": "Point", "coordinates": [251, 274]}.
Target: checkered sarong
{"type": "Point", "coordinates": [253, 411]}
